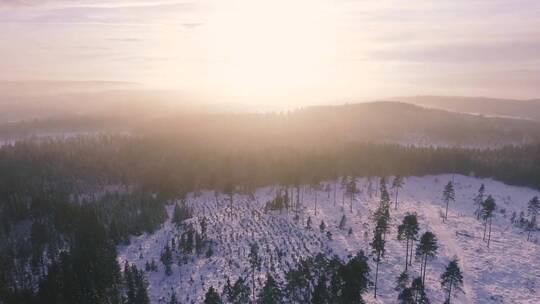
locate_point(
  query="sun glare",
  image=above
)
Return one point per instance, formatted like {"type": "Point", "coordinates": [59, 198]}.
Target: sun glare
{"type": "Point", "coordinates": [268, 48]}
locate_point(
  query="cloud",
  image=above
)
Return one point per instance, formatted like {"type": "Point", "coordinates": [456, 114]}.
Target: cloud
{"type": "Point", "coordinates": [464, 52]}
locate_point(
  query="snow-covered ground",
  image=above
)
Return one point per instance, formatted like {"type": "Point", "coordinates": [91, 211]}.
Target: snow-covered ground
{"type": "Point", "coordinates": [507, 272]}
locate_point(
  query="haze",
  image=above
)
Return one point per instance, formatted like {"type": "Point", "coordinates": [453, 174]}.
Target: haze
{"type": "Point", "coordinates": [287, 53]}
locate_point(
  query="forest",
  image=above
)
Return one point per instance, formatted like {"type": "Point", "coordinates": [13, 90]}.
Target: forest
{"type": "Point", "coordinates": [65, 204]}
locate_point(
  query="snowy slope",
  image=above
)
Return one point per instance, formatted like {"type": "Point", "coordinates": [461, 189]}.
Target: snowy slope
{"type": "Point", "coordinates": [507, 272]}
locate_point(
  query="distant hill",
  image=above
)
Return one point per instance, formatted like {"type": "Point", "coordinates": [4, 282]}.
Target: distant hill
{"type": "Point", "coordinates": [391, 122]}
{"type": "Point", "coordinates": [525, 109]}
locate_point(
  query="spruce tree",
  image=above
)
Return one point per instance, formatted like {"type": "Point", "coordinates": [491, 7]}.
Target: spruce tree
{"type": "Point", "coordinates": [378, 250]}
{"type": "Point", "coordinates": [240, 292]}
{"type": "Point", "coordinates": [212, 297]}
{"type": "Point", "coordinates": [385, 196]}
{"type": "Point", "coordinates": [322, 226]}
{"type": "Point", "coordinates": [531, 226]}
{"type": "Point", "coordinates": [166, 259]}
{"type": "Point", "coordinates": [342, 222]}
{"type": "Point", "coordinates": [173, 299]}
{"type": "Point", "coordinates": [255, 262]}
{"type": "Point", "coordinates": [452, 279]}
{"type": "Point", "coordinates": [487, 215]}
{"type": "Point", "coordinates": [320, 292]}
{"type": "Point", "coordinates": [271, 292]}
{"type": "Point", "coordinates": [355, 277]}
{"type": "Point", "coordinates": [478, 201]}
{"type": "Point", "coordinates": [402, 281]}
{"type": "Point", "coordinates": [533, 207]}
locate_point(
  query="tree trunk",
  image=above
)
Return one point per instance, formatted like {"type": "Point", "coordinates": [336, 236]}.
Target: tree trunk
{"type": "Point", "coordinates": [450, 289]}
{"type": "Point", "coordinates": [424, 275]}
{"type": "Point", "coordinates": [485, 228]}
{"type": "Point", "coordinates": [253, 284]}
{"type": "Point", "coordinates": [410, 255]}
{"type": "Point", "coordinates": [407, 255]}
{"type": "Point", "coordinates": [446, 213]}
{"type": "Point", "coordinates": [335, 186]}
{"type": "Point", "coordinates": [377, 274]}
{"type": "Point", "coordinates": [489, 235]}
{"type": "Point", "coordinates": [343, 199]}
{"type": "Point", "coordinates": [352, 198]}
{"type": "Point", "coordinates": [315, 202]}
{"type": "Point", "coordinates": [397, 190]}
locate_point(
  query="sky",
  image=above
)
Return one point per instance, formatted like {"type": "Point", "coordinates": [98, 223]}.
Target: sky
{"type": "Point", "coordinates": [295, 51]}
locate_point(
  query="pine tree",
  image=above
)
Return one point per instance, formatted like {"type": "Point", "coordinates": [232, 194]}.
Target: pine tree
{"type": "Point", "coordinates": [419, 294]}
{"type": "Point", "coordinates": [406, 296]}
{"type": "Point", "coordinates": [385, 196]}
{"type": "Point", "coordinates": [329, 235]}
{"type": "Point", "coordinates": [166, 259]}
{"type": "Point", "coordinates": [271, 292]}
{"type": "Point", "coordinates": [479, 200]}
{"type": "Point", "coordinates": [228, 290]}
{"type": "Point", "coordinates": [255, 262]}
{"type": "Point", "coordinates": [173, 299]}
{"type": "Point", "coordinates": [320, 292]}
{"type": "Point", "coordinates": [342, 222]}
{"type": "Point", "coordinates": [533, 207]}
{"type": "Point", "coordinates": [240, 292]}
{"type": "Point", "coordinates": [531, 226]}
{"type": "Point", "coordinates": [322, 226]}
{"type": "Point", "coordinates": [426, 248]}
{"type": "Point", "coordinates": [452, 278]}
{"type": "Point", "coordinates": [408, 231]}
{"type": "Point", "coordinates": [352, 190]}
{"type": "Point", "coordinates": [378, 250]}
{"type": "Point", "coordinates": [397, 184]}
{"type": "Point", "coordinates": [308, 224]}
{"type": "Point", "coordinates": [212, 297]}
{"type": "Point", "coordinates": [355, 277]}
{"type": "Point", "coordinates": [448, 195]}
{"type": "Point", "coordinates": [402, 281]}
{"type": "Point", "coordinates": [487, 215]}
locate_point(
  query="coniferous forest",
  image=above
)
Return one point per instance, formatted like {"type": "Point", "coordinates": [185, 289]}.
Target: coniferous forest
{"type": "Point", "coordinates": [66, 204]}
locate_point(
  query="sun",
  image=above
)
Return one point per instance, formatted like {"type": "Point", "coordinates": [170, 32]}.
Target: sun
{"type": "Point", "coordinates": [269, 48]}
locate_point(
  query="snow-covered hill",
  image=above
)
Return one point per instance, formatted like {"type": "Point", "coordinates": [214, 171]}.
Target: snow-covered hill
{"type": "Point", "coordinates": [507, 272]}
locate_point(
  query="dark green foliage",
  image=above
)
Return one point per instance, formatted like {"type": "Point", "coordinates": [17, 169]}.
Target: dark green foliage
{"type": "Point", "coordinates": [452, 279]}
{"type": "Point", "coordinates": [533, 207]}
{"type": "Point", "coordinates": [167, 259]}
{"type": "Point", "coordinates": [181, 213]}
{"type": "Point", "coordinates": [320, 292]}
{"type": "Point", "coordinates": [320, 280]}
{"type": "Point", "coordinates": [448, 196]}
{"type": "Point", "coordinates": [426, 249]}
{"type": "Point", "coordinates": [239, 292]}
{"type": "Point", "coordinates": [212, 297]}
{"type": "Point", "coordinates": [342, 222]}
{"type": "Point", "coordinates": [271, 293]}
{"type": "Point", "coordinates": [488, 206]}
{"type": "Point", "coordinates": [402, 281]}
{"type": "Point", "coordinates": [50, 182]}
{"type": "Point", "coordinates": [279, 202]}
{"type": "Point", "coordinates": [355, 279]}
{"type": "Point", "coordinates": [479, 200]}
{"type": "Point", "coordinates": [255, 262]}
{"type": "Point", "coordinates": [322, 226]}
{"type": "Point", "coordinates": [408, 231]}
